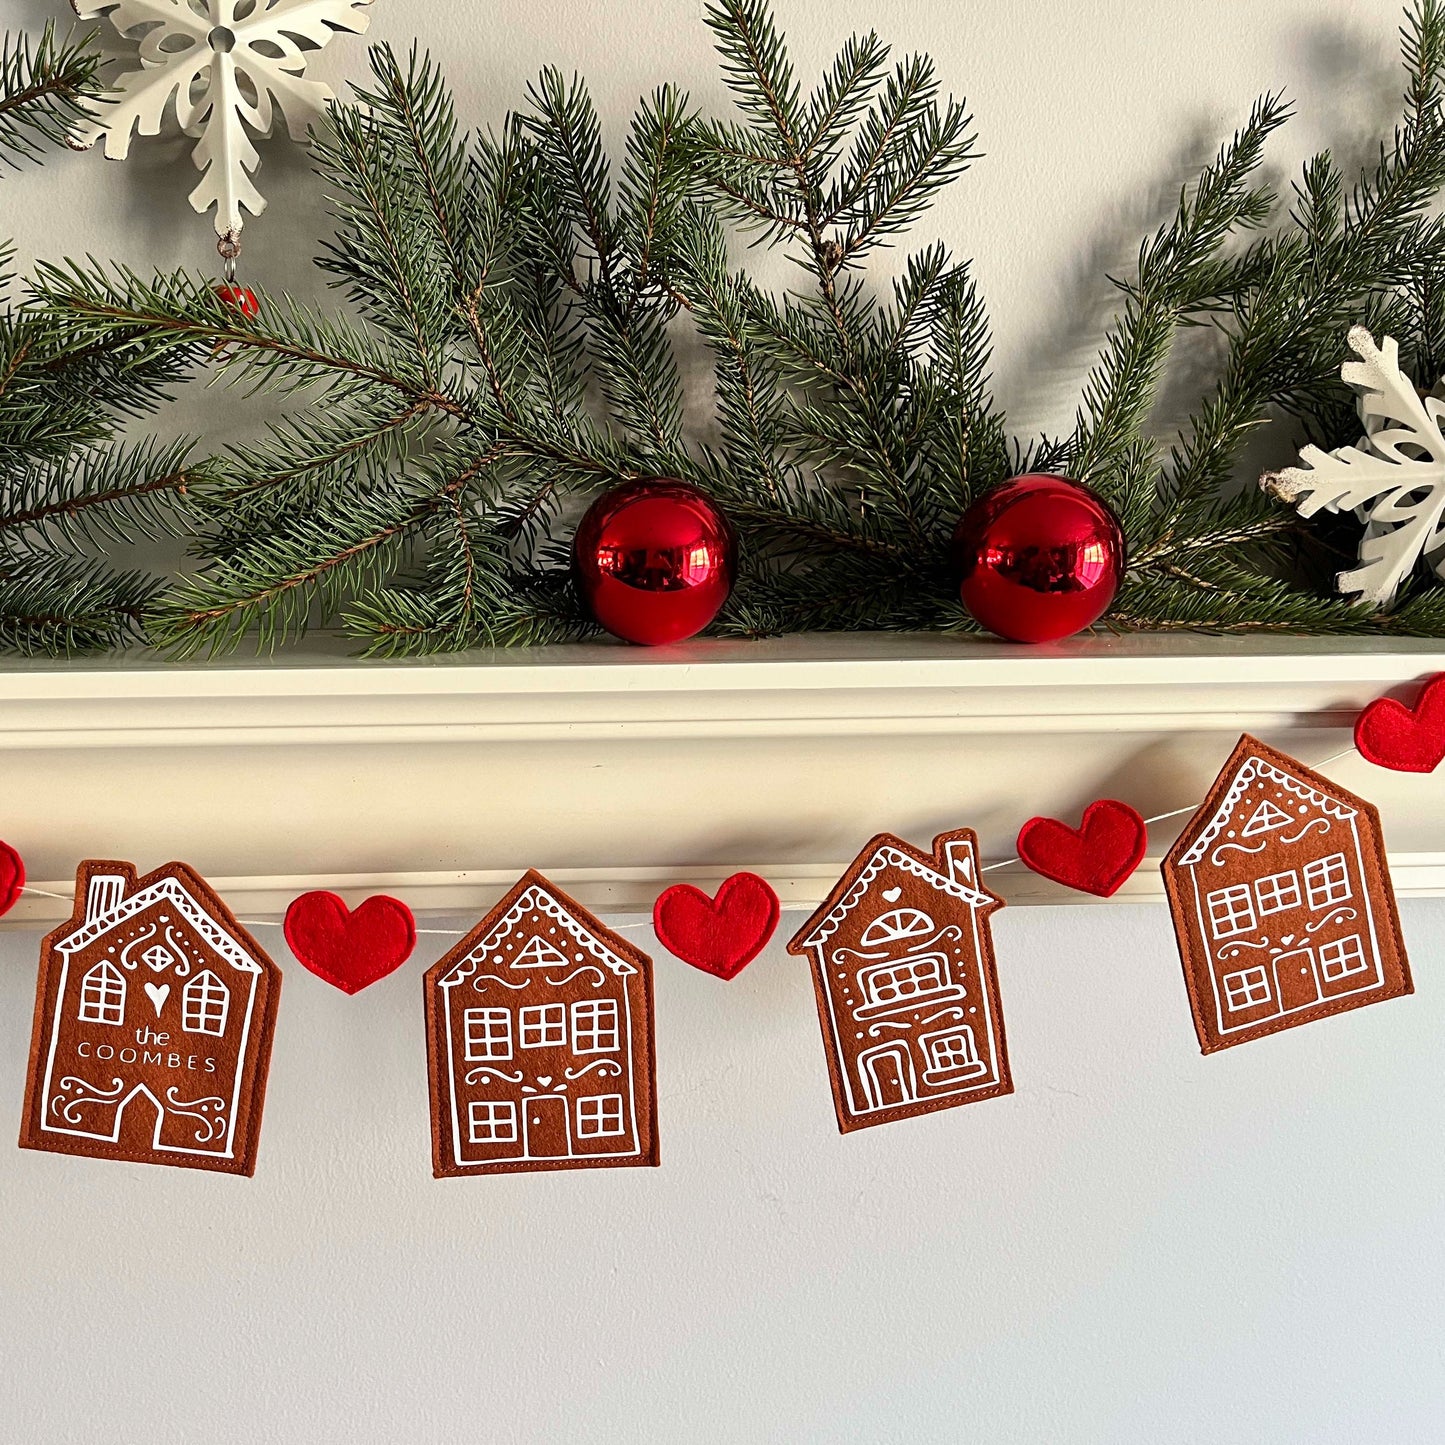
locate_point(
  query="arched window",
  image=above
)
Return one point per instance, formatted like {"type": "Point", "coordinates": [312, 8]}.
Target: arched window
{"type": "Point", "coordinates": [102, 995]}
{"type": "Point", "coordinates": [899, 926]}
{"type": "Point", "coordinates": [205, 1004]}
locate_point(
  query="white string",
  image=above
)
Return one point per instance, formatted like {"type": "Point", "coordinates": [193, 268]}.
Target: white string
{"type": "Point", "coordinates": [633, 927]}
{"type": "Point", "coordinates": [1164, 817]}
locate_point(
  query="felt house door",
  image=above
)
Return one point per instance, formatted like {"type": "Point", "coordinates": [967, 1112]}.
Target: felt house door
{"type": "Point", "coordinates": [1296, 984]}
{"type": "Point", "coordinates": [548, 1134]}
{"type": "Point", "coordinates": [889, 1077]}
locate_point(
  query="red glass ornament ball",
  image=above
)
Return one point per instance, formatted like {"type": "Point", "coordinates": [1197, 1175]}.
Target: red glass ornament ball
{"type": "Point", "coordinates": [1039, 558]}
{"type": "Point", "coordinates": [240, 298]}
{"type": "Point", "coordinates": [655, 560]}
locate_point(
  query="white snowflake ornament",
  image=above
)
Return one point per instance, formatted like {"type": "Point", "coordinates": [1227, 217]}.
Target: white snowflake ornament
{"type": "Point", "coordinates": [1394, 478]}
{"type": "Point", "coordinates": [229, 66]}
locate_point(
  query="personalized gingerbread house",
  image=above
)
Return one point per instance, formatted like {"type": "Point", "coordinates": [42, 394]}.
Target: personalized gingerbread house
{"type": "Point", "coordinates": [539, 1042]}
{"type": "Point", "coordinates": [1282, 901]}
{"type": "Point", "coordinates": [154, 1014]}
{"type": "Point", "coordinates": [907, 992]}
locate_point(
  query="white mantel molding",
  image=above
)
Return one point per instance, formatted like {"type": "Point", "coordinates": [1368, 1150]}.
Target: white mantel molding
{"type": "Point", "coordinates": [619, 770]}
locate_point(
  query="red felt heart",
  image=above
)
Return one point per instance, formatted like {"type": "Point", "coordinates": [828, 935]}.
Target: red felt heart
{"type": "Point", "coordinates": [1096, 857]}
{"type": "Point", "coordinates": [1403, 739]}
{"type": "Point", "coordinates": [721, 936]}
{"type": "Point", "coordinates": [350, 949]}
{"type": "Point", "coordinates": [12, 877]}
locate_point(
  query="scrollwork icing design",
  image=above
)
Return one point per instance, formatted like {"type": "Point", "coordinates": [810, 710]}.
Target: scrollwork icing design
{"type": "Point", "coordinates": [1343, 913]}
{"type": "Point", "coordinates": [209, 1112]}
{"type": "Point", "coordinates": [1321, 823]}
{"type": "Point", "coordinates": [584, 968]}
{"type": "Point", "coordinates": [1233, 947]}
{"type": "Point", "coordinates": [75, 1093]}
{"type": "Point", "coordinates": [1217, 857]}
{"type": "Point", "coordinates": [125, 960]}
{"type": "Point", "coordinates": [487, 1071]}
{"type": "Point", "coordinates": [606, 1068]}
{"type": "Point", "coordinates": [479, 983]}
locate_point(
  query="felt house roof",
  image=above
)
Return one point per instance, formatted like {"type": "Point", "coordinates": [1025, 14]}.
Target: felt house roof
{"type": "Point", "coordinates": [170, 890]}
{"type": "Point", "coordinates": [532, 894]}
{"type": "Point", "coordinates": [1251, 761]}
{"type": "Point", "coordinates": [953, 861]}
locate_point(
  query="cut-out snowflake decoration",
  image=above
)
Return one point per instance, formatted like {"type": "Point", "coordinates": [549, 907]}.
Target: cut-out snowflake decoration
{"type": "Point", "coordinates": [1394, 479]}
{"type": "Point", "coordinates": [228, 67]}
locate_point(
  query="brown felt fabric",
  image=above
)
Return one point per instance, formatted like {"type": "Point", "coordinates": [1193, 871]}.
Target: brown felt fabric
{"type": "Point", "coordinates": [154, 1016]}
{"type": "Point", "coordinates": [906, 983]}
{"type": "Point", "coordinates": [540, 1042]}
{"type": "Point", "coordinates": [1282, 901]}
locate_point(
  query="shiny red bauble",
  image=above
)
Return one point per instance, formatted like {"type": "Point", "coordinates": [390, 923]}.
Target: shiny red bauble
{"type": "Point", "coordinates": [655, 560]}
{"type": "Point", "coordinates": [239, 298]}
{"type": "Point", "coordinates": [1038, 558]}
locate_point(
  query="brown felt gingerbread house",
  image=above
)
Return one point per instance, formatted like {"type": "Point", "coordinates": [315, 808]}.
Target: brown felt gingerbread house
{"type": "Point", "coordinates": [154, 1015]}
{"type": "Point", "coordinates": [1282, 901]}
{"type": "Point", "coordinates": [904, 974]}
{"type": "Point", "coordinates": [540, 1042]}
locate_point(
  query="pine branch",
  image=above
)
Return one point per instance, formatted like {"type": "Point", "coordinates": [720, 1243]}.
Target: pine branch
{"type": "Point", "coordinates": [44, 88]}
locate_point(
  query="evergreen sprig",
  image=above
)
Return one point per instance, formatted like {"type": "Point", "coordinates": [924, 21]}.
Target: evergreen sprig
{"type": "Point", "coordinates": [521, 312]}
{"type": "Point", "coordinates": [72, 493]}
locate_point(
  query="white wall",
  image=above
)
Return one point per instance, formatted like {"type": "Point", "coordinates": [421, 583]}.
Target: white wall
{"type": "Point", "coordinates": [1139, 1246]}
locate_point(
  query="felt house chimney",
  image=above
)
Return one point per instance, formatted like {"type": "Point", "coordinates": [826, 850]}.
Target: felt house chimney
{"type": "Point", "coordinates": [104, 893]}
{"type": "Point", "coordinates": [961, 861]}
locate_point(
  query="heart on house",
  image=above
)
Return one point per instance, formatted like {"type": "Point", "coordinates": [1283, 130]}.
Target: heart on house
{"type": "Point", "coordinates": [719, 935]}
{"type": "Point", "coordinates": [1405, 739]}
{"type": "Point", "coordinates": [12, 877]}
{"type": "Point", "coordinates": [349, 948]}
{"type": "Point", "coordinates": [1096, 857]}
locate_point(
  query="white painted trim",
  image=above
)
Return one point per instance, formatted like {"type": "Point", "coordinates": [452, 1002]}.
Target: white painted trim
{"type": "Point", "coordinates": [617, 771]}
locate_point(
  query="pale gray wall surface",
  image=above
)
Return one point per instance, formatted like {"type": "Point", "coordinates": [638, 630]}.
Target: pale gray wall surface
{"type": "Point", "coordinates": [1140, 1247]}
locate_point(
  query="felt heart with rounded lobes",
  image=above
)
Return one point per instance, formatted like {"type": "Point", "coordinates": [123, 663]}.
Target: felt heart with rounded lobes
{"type": "Point", "coordinates": [1405, 739]}
{"type": "Point", "coordinates": [1097, 857]}
{"type": "Point", "coordinates": [350, 948]}
{"type": "Point", "coordinates": [719, 935]}
{"type": "Point", "coordinates": [12, 877]}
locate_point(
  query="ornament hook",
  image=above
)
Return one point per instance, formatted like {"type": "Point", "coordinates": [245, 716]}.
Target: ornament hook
{"type": "Point", "coordinates": [229, 246]}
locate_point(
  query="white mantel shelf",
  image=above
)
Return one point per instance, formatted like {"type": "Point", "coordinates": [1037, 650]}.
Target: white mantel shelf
{"type": "Point", "coordinates": [618, 770]}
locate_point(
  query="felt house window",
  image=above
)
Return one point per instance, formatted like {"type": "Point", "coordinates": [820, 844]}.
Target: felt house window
{"type": "Point", "coordinates": [901, 923]}
{"type": "Point", "coordinates": [102, 996]}
{"type": "Point", "coordinates": [1327, 881]}
{"type": "Point", "coordinates": [1231, 910]}
{"type": "Point", "coordinates": [488, 1033]}
{"type": "Point", "coordinates": [204, 1005]}
{"type": "Point", "coordinates": [1342, 957]}
{"type": "Point", "coordinates": [599, 1116]}
{"type": "Point", "coordinates": [544, 1024]}
{"type": "Point", "coordinates": [594, 1026]}
{"type": "Point", "coordinates": [492, 1122]}
{"type": "Point", "coordinates": [897, 981]}
{"type": "Point", "coordinates": [1278, 892]}
{"type": "Point", "coordinates": [1247, 988]}
{"type": "Point", "coordinates": [953, 1051]}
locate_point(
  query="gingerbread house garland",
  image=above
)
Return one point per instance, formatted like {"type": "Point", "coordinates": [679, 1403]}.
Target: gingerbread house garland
{"type": "Point", "coordinates": [154, 1017]}
{"type": "Point", "coordinates": [1282, 901]}
{"type": "Point", "coordinates": [906, 985]}
{"type": "Point", "coordinates": [540, 1042]}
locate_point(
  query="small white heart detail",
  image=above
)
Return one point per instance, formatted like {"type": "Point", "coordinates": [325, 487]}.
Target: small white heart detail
{"type": "Point", "coordinates": [158, 993]}
{"type": "Point", "coordinates": [893, 894]}
{"type": "Point", "coordinates": [544, 1079]}
{"type": "Point", "coordinates": [1288, 938]}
